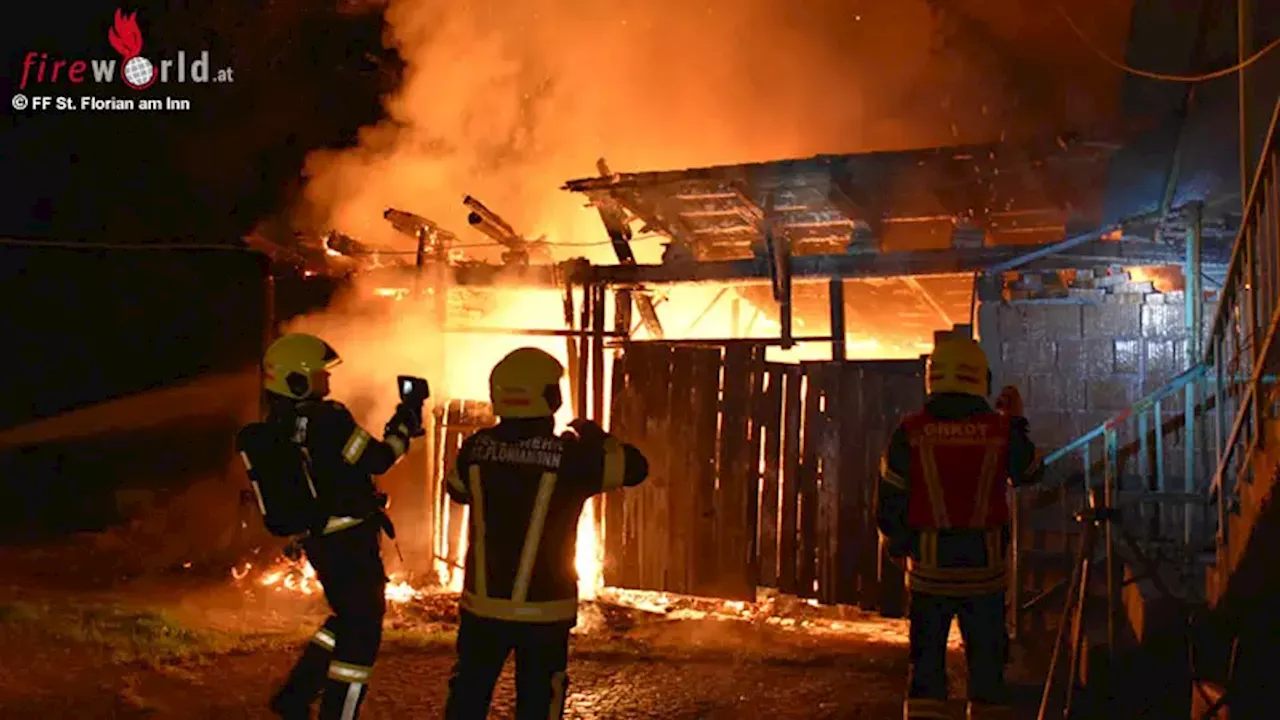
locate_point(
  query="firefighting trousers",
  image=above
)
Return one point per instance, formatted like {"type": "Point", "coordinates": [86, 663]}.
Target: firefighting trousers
{"type": "Point", "coordinates": [340, 657]}
{"type": "Point", "coordinates": [982, 626]}
{"type": "Point", "coordinates": [542, 654]}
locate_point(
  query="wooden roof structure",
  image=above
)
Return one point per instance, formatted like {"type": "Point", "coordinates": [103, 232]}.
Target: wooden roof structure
{"type": "Point", "coordinates": [882, 201]}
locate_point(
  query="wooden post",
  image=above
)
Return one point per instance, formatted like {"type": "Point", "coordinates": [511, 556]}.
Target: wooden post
{"type": "Point", "coordinates": [584, 360]}
{"type": "Point", "coordinates": [597, 382]}
{"type": "Point", "coordinates": [788, 549]}
{"type": "Point", "coordinates": [440, 288]}
{"type": "Point", "coordinates": [836, 296]}
{"type": "Point", "coordinates": [597, 354]}
{"type": "Point", "coordinates": [622, 312]}
{"type": "Point", "coordinates": [571, 344]}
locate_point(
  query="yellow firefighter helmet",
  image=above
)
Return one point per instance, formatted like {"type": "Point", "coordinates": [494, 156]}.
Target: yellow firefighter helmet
{"type": "Point", "coordinates": [293, 362]}
{"type": "Point", "coordinates": [526, 384]}
{"type": "Point", "coordinates": [958, 365]}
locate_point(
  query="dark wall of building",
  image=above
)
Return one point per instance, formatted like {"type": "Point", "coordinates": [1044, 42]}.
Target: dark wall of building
{"type": "Point", "coordinates": [128, 374]}
{"type": "Point", "coordinates": [81, 327]}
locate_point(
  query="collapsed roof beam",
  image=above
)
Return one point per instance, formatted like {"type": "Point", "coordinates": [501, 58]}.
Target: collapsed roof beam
{"type": "Point", "coordinates": [619, 230]}
{"type": "Point", "coordinates": [927, 298]}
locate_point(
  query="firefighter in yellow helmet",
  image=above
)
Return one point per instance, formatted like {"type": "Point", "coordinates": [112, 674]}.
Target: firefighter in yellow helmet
{"type": "Point", "coordinates": [312, 466]}
{"type": "Point", "coordinates": [942, 504]}
{"type": "Point", "coordinates": [526, 488]}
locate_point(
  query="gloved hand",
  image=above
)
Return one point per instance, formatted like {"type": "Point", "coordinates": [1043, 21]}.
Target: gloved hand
{"type": "Point", "coordinates": [293, 550]}
{"type": "Point", "coordinates": [1010, 402]}
{"type": "Point", "coordinates": [383, 500]}
{"type": "Point", "coordinates": [387, 526]}
{"type": "Point", "coordinates": [588, 431]}
{"type": "Point", "coordinates": [410, 416]}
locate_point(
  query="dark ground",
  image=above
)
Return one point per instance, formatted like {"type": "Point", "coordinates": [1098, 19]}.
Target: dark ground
{"type": "Point", "coordinates": [211, 648]}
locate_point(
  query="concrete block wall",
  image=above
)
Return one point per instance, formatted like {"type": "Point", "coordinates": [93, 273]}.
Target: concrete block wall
{"type": "Point", "coordinates": [1085, 346]}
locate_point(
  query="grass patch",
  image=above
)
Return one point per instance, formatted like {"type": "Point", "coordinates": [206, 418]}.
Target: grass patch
{"type": "Point", "coordinates": [123, 633]}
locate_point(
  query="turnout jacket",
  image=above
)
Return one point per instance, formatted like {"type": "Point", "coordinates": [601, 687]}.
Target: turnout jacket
{"type": "Point", "coordinates": [942, 499]}
{"type": "Point", "coordinates": [526, 488]}
{"type": "Point", "coordinates": [342, 458]}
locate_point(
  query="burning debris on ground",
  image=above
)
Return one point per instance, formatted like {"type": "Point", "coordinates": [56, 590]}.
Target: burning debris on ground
{"type": "Point", "coordinates": [609, 612]}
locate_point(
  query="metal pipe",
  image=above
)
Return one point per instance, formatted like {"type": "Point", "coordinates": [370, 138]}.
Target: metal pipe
{"type": "Point", "coordinates": [1048, 250]}
{"type": "Point", "coordinates": [1242, 54]}
{"type": "Point", "coordinates": [1194, 324]}
{"type": "Point", "coordinates": [1109, 489]}
{"type": "Point", "coordinates": [1159, 411]}
{"type": "Point", "coordinates": [539, 332]}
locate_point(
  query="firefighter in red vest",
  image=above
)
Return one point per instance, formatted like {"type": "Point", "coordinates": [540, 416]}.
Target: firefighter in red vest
{"type": "Point", "coordinates": [943, 504]}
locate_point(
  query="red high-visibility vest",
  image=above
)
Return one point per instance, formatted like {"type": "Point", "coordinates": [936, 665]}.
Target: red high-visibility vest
{"type": "Point", "coordinates": [958, 472]}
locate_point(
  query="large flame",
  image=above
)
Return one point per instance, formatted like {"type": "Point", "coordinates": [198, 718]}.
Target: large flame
{"type": "Point", "coordinates": [377, 346]}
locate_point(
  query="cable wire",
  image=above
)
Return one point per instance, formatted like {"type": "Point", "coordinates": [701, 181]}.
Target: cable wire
{"type": "Point", "coordinates": [1166, 77]}
{"type": "Point", "coordinates": [73, 245]}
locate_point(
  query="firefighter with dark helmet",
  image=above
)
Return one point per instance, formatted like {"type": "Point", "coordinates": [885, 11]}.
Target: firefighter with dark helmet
{"type": "Point", "coordinates": [526, 487]}
{"type": "Point", "coordinates": [943, 504]}
{"type": "Point", "coordinates": [312, 466]}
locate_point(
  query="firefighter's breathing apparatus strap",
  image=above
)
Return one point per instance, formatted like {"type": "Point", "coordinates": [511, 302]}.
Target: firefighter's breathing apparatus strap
{"type": "Point", "coordinates": [338, 524]}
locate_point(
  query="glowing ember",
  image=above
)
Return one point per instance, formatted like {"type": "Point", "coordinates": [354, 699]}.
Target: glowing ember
{"type": "Point", "coordinates": [299, 577]}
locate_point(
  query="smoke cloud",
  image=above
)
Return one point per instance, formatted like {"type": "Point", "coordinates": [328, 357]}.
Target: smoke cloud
{"type": "Point", "coordinates": [506, 100]}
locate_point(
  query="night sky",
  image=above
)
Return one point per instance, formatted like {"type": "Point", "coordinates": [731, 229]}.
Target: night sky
{"type": "Point", "coordinates": [305, 76]}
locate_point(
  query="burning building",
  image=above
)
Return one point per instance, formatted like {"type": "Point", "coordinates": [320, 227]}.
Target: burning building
{"type": "Point", "coordinates": [761, 364]}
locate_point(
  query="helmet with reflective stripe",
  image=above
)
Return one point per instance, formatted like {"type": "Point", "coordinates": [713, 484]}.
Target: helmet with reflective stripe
{"type": "Point", "coordinates": [526, 384]}
{"type": "Point", "coordinates": [293, 364]}
{"type": "Point", "coordinates": [958, 365]}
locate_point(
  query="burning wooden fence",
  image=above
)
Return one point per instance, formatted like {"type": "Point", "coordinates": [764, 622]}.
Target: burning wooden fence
{"type": "Point", "coordinates": [761, 474]}
{"type": "Point", "coordinates": [454, 423]}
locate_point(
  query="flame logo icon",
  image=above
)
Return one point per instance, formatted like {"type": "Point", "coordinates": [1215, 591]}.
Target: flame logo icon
{"type": "Point", "coordinates": [136, 71]}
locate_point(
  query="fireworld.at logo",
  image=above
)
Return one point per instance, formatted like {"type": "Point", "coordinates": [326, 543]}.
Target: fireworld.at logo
{"type": "Point", "coordinates": [134, 69]}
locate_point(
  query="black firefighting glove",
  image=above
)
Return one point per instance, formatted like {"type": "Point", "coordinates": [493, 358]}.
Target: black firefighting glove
{"type": "Point", "coordinates": [293, 550]}
{"type": "Point", "coordinates": [408, 415]}
{"type": "Point", "coordinates": [900, 547]}
{"type": "Point", "coordinates": [388, 527]}
{"type": "Point", "coordinates": [588, 431]}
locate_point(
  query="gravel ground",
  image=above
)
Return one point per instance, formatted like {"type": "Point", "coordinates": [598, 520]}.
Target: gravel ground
{"type": "Point", "coordinates": [411, 683]}
{"type": "Point", "coordinates": [170, 648]}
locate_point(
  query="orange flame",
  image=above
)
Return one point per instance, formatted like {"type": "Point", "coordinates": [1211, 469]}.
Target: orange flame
{"type": "Point", "coordinates": [299, 577]}
{"type": "Point", "coordinates": [125, 36]}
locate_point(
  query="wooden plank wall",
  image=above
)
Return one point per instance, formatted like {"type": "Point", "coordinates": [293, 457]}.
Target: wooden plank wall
{"type": "Point", "coordinates": [761, 474]}
{"type": "Point", "coordinates": [837, 420]}
{"type": "Point", "coordinates": [691, 528]}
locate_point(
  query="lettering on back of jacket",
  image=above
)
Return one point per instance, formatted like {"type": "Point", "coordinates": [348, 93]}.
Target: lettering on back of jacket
{"type": "Point", "coordinates": [541, 452]}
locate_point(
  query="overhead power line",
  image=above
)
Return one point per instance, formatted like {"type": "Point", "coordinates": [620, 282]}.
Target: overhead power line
{"type": "Point", "coordinates": [1166, 77]}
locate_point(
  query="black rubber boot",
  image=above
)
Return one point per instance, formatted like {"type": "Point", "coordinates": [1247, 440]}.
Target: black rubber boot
{"type": "Point", "coordinates": [293, 701]}
{"type": "Point", "coordinates": [342, 700]}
